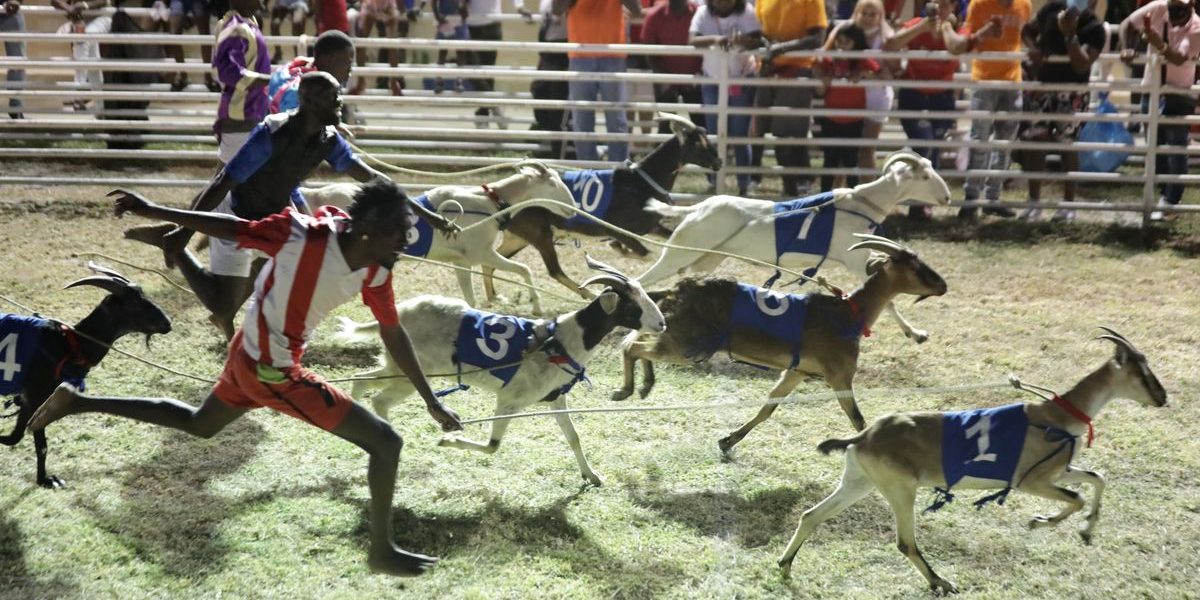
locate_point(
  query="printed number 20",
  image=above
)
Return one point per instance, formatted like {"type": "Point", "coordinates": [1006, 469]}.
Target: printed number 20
{"type": "Point", "coordinates": [982, 428]}
{"type": "Point", "coordinates": [589, 190]}
{"type": "Point", "coordinates": [9, 367]}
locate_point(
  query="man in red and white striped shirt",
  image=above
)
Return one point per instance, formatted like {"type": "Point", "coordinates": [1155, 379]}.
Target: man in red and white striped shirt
{"type": "Point", "coordinates": [317, 263]}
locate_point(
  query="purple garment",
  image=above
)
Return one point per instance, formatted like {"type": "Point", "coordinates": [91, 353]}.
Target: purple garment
{"type": "Point", "coordinates": [240, 48]}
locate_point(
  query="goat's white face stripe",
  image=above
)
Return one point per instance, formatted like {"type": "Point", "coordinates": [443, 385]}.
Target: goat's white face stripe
{"type": "Point", "coordinates": [652, 318]}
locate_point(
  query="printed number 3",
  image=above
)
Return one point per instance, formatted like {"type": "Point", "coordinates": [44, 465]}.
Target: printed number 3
{"type": "Point", "coordinates": [982, 428]}
{"type": "Point", "coordinates": [760, 298]}
{"type": "Point", "coordinates": [8, 357]}
{"type": "Point", "coordinates": [589, 190]}
{"type": "Point", "coordinates": [501, 338]}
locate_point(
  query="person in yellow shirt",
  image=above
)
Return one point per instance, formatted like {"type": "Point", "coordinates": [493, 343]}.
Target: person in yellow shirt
{"type": "Point", "coordinates": [790, 25]}
{"type": "Point", "coordinates": [995, 26]}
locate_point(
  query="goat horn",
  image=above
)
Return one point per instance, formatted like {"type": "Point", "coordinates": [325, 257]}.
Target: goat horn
{"type": "Point", "coordinates": [608, 280]}
{"type": "Point", "coordinates": [534, 164]}
{"type": "Point", "coordinates": [666, 116]}
{"type": "Point", "coordinates": [1119, 340]}
{"type": "Point", "coordinates": [888, 249]}
{"type": "Point", "coordinates": [102, 270]}
{"type": "Point", "coordinates": [904, 155]}
{"type": "Point", "coordinates": [596, 265]}
{"type": "Point", "coordinates": [870, 237]}
{"type": "Point", "coordinates": [1113, 332]}
{"type": "Point", "coordinates": [105, 283]}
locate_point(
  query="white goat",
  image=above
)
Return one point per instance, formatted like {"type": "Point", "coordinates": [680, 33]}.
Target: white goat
{"type": "Point", "coordinates": [793, 237]}
{"type": "Point", "coordinates": [901, 452]}
{"type": "Point", "coordinates": [549, 356]}
{"type": "Point", "coordinates": [534, 180]}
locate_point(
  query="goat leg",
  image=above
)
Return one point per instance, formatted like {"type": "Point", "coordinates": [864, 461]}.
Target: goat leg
{"type": "Point", "coordinates": [855, 486]}
{"type": "Point", "coordinates": [900, 495]}
{"type": "Point", "coordinates": [917, 335]}
{"type": "Point", "coordinates": [647, 380]}
{"type": "Point", "coordinates": [39, 446]}
{"type": "Point", "coordinates": [18, 432]}
{"type": "Point", "coordinates": [1049, 491]}
{"type": "Point", "coordinates": [568, 431]}
{"type": "Point", "coordinates": [787, 382]}
{"type": "Point", "coordinates": [630, 363]}
{"type": "Point", "coordinates": [1093, 478]}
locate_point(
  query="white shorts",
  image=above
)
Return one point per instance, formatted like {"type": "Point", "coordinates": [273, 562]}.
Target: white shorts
{"type": "Point", "coordinates": [224, 256]}
{"type": "Point", "coordinates": [879, 98]}
{"type": "Point", "coordinates": [229, 143]}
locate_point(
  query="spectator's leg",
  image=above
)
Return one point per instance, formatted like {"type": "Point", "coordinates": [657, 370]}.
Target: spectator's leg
{"type": "Point", "coordinates": [1172, 164]}
{"type": "Point", "coordinates": [203, 27]}
{"type": "Point", "coordinates": [690, 94]}
{"type": "Point", "coordinates": [614, 119]}
{"type": "Point", "coordinates": [739, 126]}
{"type": "Point", "coordinates": [940, 102]}
{"type": "Point", "coordinates": [584, 119]}
{"type": "Point", "coordinates": [853, 157]}
{"type": "Point", "coordinates": [793, 127]}
{"type": "Point", "coordinates": [398, 55]}
{"type": "Point", "coordinates": [916, 129]}
{"type": "Point", "coordinates": [175, 25]}
{"type": "Point", "coordinates": [15, 78]}
{"type": "Point", "coordinates": [824, 130]}
{"type": "Point", "coordinates": [486, 58]}
{"type": "Point", "coordinates": [712, 122]}
{"type": "Point", "coordinates": [1004, 131]}
{"type": "Point", "coordinates": [981, 131]}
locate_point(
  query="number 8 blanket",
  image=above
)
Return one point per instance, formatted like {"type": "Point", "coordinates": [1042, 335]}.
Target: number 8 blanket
{"type": "Point", "coordinates": [983, 443]}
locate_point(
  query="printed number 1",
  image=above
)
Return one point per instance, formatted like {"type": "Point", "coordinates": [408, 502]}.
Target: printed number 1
{"type": "Point", "coordinates": [981, 428]}
{"type": "Point", "coordinates": [9, 366]}
{"type": "Point", "coordinates": [804, 227]}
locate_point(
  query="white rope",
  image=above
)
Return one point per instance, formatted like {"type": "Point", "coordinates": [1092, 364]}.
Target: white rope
{"type": "Point", "coordinates": [789, 399]}
{"type": "Point", "coordinates": [469, 270]}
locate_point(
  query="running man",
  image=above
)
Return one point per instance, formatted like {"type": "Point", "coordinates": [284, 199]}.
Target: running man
{"type": "Point", "coordinates": [260, 180]}
{"type": "Point", "coordinates": [333, 53]}
{"type": "Point", "coordinates": [318, 262]}
{"type": "Point", "coordinates": [243, 66]}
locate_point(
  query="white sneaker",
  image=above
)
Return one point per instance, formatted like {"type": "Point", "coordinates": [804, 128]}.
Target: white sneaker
{"type": "Point", "coordinates": [1030, 214]}
{"type": "Point", "coordinates": [499, 119]}
{"type": "Point", "coordinates": [1159, 215]}
{"type": "Point", "coordinates": [1063, 214]}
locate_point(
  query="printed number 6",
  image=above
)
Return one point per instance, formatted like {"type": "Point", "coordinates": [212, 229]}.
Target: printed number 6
{"type": "Point", "coordinates": [8, 357]}
{"type": "Point", "coordinates": [590, 189]}
{"type": "Point", "coordinates": [982, 428]}
{"type": "Point", "coordinates": [760, 298]}
{"type": "Point", "coordinates": [501, 338]}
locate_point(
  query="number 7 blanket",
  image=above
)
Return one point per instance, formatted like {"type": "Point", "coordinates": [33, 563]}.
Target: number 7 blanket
{"type": "Point", "coordinates": [804, 231]}
{"type": "Point", "coordinates": [983, 443]}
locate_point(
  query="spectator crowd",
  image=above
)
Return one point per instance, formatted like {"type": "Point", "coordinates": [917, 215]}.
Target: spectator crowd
{"type": "Point", "coordinates": [748, 39]}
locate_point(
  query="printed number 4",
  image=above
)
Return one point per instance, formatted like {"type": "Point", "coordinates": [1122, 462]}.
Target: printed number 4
{"type": "Point", "coordinates": [981, 428]}
{"type": "Point", "coordinates": [804, 227]}
{"type": "Point", "coordinates": [8, 357]}
{"type": "Point", "coordinates": [501, 338]}
{"type": "Point", "coordinates": [589, 191]}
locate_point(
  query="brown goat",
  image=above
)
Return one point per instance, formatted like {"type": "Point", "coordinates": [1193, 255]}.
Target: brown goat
{"type": "Point", "coordinates": [698, 311]}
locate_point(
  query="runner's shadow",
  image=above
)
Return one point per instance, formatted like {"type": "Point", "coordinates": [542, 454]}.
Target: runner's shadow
{"type": "Point", "coordinates": [15, 579]}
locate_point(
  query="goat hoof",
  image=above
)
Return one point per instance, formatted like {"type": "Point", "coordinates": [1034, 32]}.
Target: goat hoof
{"type": "Point", "coordinates": [620, 395]}
{"type": "Point", "coordinates": [726, 444]}
{"type": "Point", "coordinates": [593, 479]}
{"type": "Point", "coordinates": [1086, 536]}
{"type": "Point", "coordinates": [919, 336]}
{"type": "Point", "coordinates": [1039, 521]}
{"type": "Point", "coordinates": [645, 391]}
{"type": "Point", "coordinates": [52, 482]}
{"type": "Point", "coordinates": [785, 568]}
{"type": "Point", "coordinates": [942, 587]}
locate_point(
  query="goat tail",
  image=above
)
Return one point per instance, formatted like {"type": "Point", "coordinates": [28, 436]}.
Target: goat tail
{"type": "Point", "coordinates": [840, 445]}
{"type": "Point", "coordinates": [350, 331]}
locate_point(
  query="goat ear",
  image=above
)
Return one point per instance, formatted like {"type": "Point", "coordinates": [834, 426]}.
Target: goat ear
{"type": "Point", "coordinates": [609, 301]}
{"type": "Point", "coordinates": [876, 261]}
{"type": "Point", "coordinates": [901, 171]}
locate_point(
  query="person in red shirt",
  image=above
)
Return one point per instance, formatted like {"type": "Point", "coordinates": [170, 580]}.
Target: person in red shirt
{"type": "Point", "coordinates": [831, 71]}
{"type": "Point", "coordinates": [331, 15]}
{"type": "Point", "coordinates": [667, 24]}
{"type": "Point", "coordinates": [317, 263]}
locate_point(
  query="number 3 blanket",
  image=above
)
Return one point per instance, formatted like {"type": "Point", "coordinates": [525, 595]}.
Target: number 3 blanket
{"type": "Point", "coordinates": [487, 340]}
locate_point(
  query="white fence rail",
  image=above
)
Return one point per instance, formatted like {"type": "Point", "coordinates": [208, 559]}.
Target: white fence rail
{"type": "Point", "coordinates": [186, 117]}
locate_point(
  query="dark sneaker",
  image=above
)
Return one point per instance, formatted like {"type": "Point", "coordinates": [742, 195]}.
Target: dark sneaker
{"type": "Point", "coordinates": [968, 213]}
{"type": "Point", "coordinates": [999, 211]}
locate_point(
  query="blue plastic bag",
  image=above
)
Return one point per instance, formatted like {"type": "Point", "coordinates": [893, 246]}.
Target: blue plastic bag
{"type": "Point", "coordinates": [1111, 132]}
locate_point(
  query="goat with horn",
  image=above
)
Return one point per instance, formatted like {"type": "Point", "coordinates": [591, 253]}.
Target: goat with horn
{"type": "Point", "coordinates": [1027, 447]}
{"type": "Point", "coordinates": [800, 335]}
{"type": "Point", "coordinates": [798, 234]}
{"type": "Point", "coordinates": [522, 361]}
{"type": "Point", "coordinates": [37, 354]}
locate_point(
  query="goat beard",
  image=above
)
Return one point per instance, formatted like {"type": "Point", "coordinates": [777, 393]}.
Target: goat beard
{"type": "Point", "coordinates": [148, 340]}
{"type": "Point", "coordinates": [919, 298]}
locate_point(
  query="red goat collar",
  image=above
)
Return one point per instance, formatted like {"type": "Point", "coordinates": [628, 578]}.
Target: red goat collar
{"type": "Point", "coordinates": [75, 355]}
{"type": "Point", "coordinates": [857, 312]}
{"type": "Point", "coordinates": [1078, 414]}
{"type": "Point", "coordinates": [493, 196]}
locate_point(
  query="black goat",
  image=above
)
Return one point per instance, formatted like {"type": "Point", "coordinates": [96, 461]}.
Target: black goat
{"type": "Point", "coordinates": [632, 193]}
{"type": "Point", "coordinates": [37, 354]}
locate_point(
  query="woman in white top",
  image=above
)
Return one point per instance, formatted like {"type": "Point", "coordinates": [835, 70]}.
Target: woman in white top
{"type": "Point", "coordinates": [730, 25]}
{"type": "Point", "coordinates": [869, 15]}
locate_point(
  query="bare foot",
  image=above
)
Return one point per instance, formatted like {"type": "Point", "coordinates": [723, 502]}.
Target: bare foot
{"type": "Point", "coordinates": [57, 406]}
{"type": "Point", "coordinates": [394, 561]}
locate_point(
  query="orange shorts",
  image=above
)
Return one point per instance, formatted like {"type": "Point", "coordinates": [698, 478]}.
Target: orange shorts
{"type": "Point", "coordinates": [301, 393]}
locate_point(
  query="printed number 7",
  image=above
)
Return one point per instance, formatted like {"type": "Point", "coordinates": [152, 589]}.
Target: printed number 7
{"type": "Point", "coordinates": [9, 366]}
{"type": "Point", "coordinates": [982, 428]}
{"type": "Point", "coordinates": [804, 227]}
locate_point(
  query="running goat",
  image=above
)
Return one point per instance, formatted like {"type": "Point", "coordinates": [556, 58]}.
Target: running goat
{"type": "Point", "coordinates": [522, 361]}
{"type": "Point", "coordinates": [37, 354]}
{"type": "Point", "coordinates": [800, 234]}
{"type": "Point", "coordinates": [813, 334]}
{"type": "Point", "coordinates": [1027, 447]}
{"type": "Point", "coordinates": [534, 180]}
{"type": "Point", "coordinates": [621, 196]}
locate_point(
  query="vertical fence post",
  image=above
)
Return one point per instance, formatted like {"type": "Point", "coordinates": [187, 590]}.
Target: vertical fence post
{"type": "Point", "coordinates": [722, 115]}
{"type": "Point", "coordinates": [1150, 161]}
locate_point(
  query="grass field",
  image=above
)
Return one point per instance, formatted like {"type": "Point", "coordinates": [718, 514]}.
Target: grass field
{"type": "Point", "coordinates": [274, 508]}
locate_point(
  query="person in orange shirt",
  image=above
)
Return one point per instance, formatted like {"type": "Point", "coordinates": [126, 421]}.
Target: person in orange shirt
{"type": "Point", "coordinates": [995, 26]}
{"type": "Point", "coordinates": [598, 22]}
{"type": "Point", "coordinates": [790, 25]}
